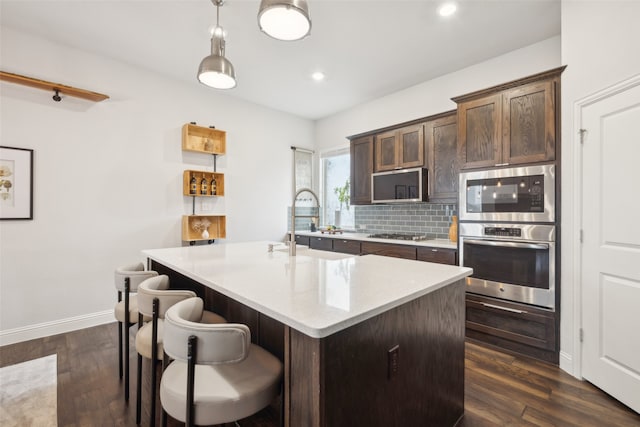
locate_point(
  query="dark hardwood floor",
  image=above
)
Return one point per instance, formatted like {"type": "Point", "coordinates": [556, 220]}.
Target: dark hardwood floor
{"type": "Point", "coordinates": [500, 390]}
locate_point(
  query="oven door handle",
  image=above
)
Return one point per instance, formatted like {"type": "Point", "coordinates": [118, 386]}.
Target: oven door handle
{"type": "Point", "coordinates": [508, 244]}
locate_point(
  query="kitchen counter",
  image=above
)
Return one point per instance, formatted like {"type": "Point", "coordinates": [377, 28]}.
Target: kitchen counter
{"type": "Point", "coordinates": [317, 293]}
{"type": "Point", "coordinates": [365, 340]}
{"type": "Point", "coordinates": [363, 237]}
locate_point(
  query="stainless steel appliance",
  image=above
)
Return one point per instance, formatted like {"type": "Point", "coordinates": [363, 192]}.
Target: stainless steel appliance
{"type": "Point", "coordinates": [403, 185]}
{"type": "Point", "coordinates": [515, 262]}
{"type": "Point", "coordinates": [522, 194]}
{"type": "Point", "coordinates": [508, 234]}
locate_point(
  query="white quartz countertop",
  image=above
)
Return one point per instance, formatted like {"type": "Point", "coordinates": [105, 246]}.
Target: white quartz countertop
{"type": "Point", "coordinates": [431, 243]}
{"type": "Point", "coordinates": [316, 292]}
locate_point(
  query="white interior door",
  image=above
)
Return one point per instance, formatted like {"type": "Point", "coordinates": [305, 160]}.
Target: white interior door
{"type": "Point", "coordinates": [611, 244]}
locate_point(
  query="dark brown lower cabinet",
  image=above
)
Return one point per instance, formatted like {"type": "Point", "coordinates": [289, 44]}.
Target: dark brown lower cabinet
{"type": "Point", "coordinates": [321, 243]}
{"type": "Point", "coordinates": [439, 255]}
{"type": "Point", "coordinates": [388, 249]}
{"type": "Point", "coordinates": [346, 246]}
{"type": "Point", "coordinates": [302, 240]}
{"type": "Point", "coordinates": [359, 247]}
{"type": "Point", "coordinates": [517, 327]}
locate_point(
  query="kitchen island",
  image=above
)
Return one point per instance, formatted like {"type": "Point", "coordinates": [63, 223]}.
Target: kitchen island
{"type": "Point", "coordinates": [365, 340]}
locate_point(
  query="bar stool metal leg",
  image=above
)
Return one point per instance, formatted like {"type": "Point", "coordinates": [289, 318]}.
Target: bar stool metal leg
{"type": "Point", "coordinates": [126, 326]}
{"type": "Point", "coordinates": [120, 341]}
{"type": "Point", "coordinates": [139, 374]}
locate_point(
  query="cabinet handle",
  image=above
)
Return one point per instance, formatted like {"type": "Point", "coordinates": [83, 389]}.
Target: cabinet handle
{"type": "Point", "coordinates": [502, 164]}
{"type": "Point", "coordinates": [512, 310]}
{"type": "Point", "coordinates": [434, 250]}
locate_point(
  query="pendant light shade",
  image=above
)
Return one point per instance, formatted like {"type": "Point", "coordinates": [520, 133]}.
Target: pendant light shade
{"type": "Point", "coordinates": [215, 70]}
{"type": "Point", "coordinates": [284, 19]}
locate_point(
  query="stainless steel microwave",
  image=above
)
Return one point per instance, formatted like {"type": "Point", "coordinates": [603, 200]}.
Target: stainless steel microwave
{"type": "Point", "coordinates": [523, 194]}
{"type": "Point", "coordinates": [400, 186]}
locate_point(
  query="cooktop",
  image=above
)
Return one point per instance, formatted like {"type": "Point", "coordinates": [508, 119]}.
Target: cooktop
{"type": "Point", "coordinates": [400, 236]}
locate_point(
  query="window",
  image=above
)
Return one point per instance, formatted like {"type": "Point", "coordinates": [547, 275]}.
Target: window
{"type": "Point", "coordinates": [303, 169]}
{"type": "Point", "coordinates": [335, 192]}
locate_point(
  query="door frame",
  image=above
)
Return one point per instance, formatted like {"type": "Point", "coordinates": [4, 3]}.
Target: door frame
{"type": "Point", "coordinates": [576, 200]}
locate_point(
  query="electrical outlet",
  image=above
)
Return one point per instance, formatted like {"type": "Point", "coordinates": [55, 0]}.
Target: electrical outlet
{"type": "Point", "coordinates": [206, 206]}
{"type": "Point", "coordinates": [393, 361]}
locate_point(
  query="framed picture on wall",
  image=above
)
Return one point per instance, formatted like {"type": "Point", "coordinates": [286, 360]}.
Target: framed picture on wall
{"type": "Point", "coordinates": [16, 183]}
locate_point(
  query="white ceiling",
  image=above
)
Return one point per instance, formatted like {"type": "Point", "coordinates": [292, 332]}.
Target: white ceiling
{"type": "Point", "coordinates": [367, 49]}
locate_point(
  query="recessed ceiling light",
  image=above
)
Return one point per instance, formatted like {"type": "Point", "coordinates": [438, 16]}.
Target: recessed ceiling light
{"type": "Point", "coordinates": [447, 9]}
{"type": "Point", "coordinates": [318, 76]}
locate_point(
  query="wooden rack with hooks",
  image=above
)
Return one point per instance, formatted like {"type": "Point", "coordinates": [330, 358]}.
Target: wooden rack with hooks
{"type": "Point", "coordinates": [57, 88]}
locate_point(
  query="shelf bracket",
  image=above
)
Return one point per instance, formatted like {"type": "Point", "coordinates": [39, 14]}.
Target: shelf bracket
{"type": "Point", "coordinates": [53, 87]}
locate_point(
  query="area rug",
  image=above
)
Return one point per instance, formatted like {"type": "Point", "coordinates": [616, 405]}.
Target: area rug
{"type": "Point", "coordinates": [28, 393]}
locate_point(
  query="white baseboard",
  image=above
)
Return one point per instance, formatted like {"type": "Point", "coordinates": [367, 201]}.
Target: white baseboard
{"type": "Point", "coordinates": [566, 364]}
{"type": "Point", "coordinates": [46, 329]}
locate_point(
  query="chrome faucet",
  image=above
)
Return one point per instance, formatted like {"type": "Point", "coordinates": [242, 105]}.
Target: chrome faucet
{"type": "Point", "coordinates": [292, 239]}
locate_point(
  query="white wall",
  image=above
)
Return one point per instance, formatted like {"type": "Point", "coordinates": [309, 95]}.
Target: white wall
{"type": "Point", "coordinates": [108, 178]}
{"type": "Point", "coordinates": [600, 48]}
{"type": "Point", "coordinates": [434, 96]}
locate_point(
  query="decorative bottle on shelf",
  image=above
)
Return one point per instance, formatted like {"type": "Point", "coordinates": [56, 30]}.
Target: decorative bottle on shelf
{"type": "Point", "coordinates": [214, 186]}
{"type": "Point", "coordinates": [204, 186]}
{"type": "Point", "coordinates": [453, 229]}
{"type": "Point", "coordinates": [193, 187]}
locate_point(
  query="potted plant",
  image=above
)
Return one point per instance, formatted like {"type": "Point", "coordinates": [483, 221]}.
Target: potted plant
{"type": "Point", "coordinates": [343, 197]}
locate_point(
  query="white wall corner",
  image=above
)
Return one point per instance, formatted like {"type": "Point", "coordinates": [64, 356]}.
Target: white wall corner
{"type": "Point", "coordinates": [40, 330]}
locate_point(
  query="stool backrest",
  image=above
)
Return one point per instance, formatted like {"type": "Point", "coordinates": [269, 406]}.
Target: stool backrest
{"type": "Point", "coordinates": [136, 275]}
{"type": "Point", "coordinates": [217, 343]}
{"type": "Point", "coordinates": [158, 287]}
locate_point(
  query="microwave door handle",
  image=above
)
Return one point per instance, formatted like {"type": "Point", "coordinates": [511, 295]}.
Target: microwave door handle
{"type": "Point", "coordinates": [508, 244]}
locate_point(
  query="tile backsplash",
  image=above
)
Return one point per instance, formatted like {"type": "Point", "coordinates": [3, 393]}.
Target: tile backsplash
{"type": "Point", "coordinates": [432, 219]}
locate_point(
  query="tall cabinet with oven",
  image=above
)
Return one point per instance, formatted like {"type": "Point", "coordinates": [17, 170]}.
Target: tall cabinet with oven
{"type": "Point", "coordinates": [508, 141]}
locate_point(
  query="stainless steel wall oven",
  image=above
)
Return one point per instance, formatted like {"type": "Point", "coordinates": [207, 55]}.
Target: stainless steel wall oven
{"type": "Point", "coordinates": [515, 262]}
{"type": "Point", "coordinates": [508, 233]}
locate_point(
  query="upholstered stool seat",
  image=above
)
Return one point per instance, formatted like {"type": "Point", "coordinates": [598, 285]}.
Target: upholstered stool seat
{"type": "Point", "coordinates": [154, 299]}
{"type": "Point", "coordinates": [216, 365]}
{"type": "Point", "coordinates": [223, 393]}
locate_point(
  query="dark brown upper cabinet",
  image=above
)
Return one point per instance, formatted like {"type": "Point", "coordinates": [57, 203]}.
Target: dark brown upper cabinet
{"type": "Point", "coordinates": [442, 153]}
{"type": "Point", "coordinates": [479, 131]}
{"type": "Point", "coordinates": [510, 124]}
{"type": "Point", "coordinates": [400, 148]}
{"type": "Point", "coordinates": [529, 131]}
{"type": "Point", "coordinates": [361, 170]}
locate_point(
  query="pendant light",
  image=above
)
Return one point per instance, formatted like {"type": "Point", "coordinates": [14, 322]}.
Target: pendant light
{"type": "Point", "coordinates": [215, 70]}
{"type": "Point", "coordinates": [284, 19]}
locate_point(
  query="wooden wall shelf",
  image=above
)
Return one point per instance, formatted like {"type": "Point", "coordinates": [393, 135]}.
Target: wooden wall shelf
{"type": "Point", "coordinates": [53, 87]}
{"type": "Point", "coordinates": [217, 228]}
{"type": "Point", "coordinates": [203, 140]}
{"type": "Point", "coordinates": [186, 183]}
